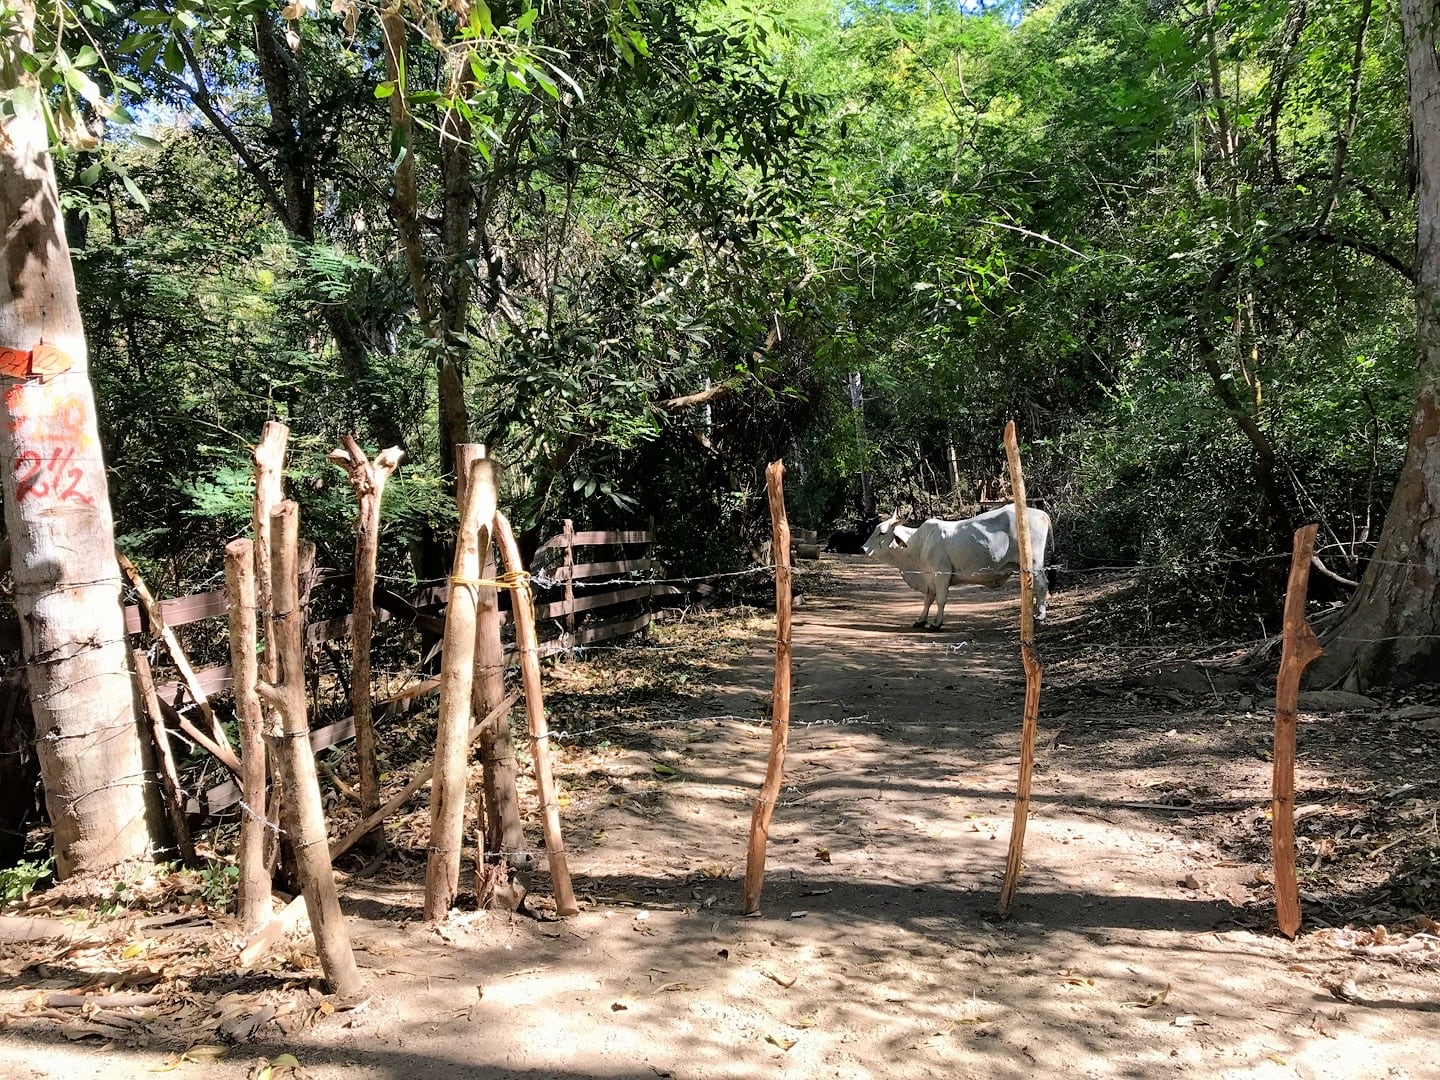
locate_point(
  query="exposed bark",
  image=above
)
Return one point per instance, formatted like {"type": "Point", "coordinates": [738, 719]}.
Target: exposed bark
{"type": "Point", "coordinates": [252, 894]}
{"type": "Point", "coordinates": [368, 479]}
{"type": "Point", "coordinates": [1391, 628]}
{"type": "Point", "coordinates": [1298, 649]}
{"type": "Point", "coordinates": [303, 813]}
{"type": "Point", "coordinates": [269, 459]}
{"type": "Point", "coordinates": [99, 787]}
{"type": "Point", "coordinates": [504, 830]}
{"type": "Point", "coordinates": [764, 810]}
{"type": "Point", "coordinates": [457, 676]}
{"type": "Point", "coordinates": [169, 776]}
{"type": "Point", "coordinates": [1034, 670]}
{"type": "Point", "coordinates": [155, 618]}
{"type": "Point", "coordinates": [525, 647]}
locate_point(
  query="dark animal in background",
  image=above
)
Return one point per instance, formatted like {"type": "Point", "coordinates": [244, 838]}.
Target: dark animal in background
{"type": "Point", "coordinates": [851, 539]}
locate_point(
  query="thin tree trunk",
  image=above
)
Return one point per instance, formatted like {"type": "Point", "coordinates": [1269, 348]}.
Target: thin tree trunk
{"type": "Point", "coordinates": [1391, 628]}
{"type": "Point", "coordinates": [99, 782]}
{"type": "Point", "coordinates": [1347, 130]}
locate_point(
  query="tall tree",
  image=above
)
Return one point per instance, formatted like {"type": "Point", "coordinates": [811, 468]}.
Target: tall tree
{"type": "Point", "coordinates": [57, 507]}
{"type": "Point", "coordinates": [1391, 628]}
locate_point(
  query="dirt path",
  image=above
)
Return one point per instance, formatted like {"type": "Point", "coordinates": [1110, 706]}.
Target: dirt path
{"type": "Point", "coordinates": [879, 953]}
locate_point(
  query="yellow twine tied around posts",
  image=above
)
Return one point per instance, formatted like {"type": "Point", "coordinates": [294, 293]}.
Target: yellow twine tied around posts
{"type": "Point", "coordinates": [512, 580]}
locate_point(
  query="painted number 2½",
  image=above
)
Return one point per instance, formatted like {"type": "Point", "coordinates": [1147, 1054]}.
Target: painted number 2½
{"type": "Point", "coordinates": [58, 478]}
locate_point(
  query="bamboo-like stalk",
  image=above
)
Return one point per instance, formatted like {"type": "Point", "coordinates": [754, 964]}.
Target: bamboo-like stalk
{"type": "Point", "coordinates": [368, 479]}
{"type": "Point", "coordinates": [1033, 671]}
{"type": "Point", "coordinates": [504, 830]}
{"type": "Point", "coordinates": [156, 618]}
{"type": "Point", "coordinates": [1298, 648]}
{"type": "Point", "coordinates": [780, 699]}
{"type": "Point", "coordinates": [457, 680]}
{"type": "Point", "coordinates": [252, 894]}
{"type": "Point", "coordinates": [303, 812]}
{"type": "Point", "coordinates": [169, 775]}
{"type": "Point", "coordinates": [525, 647]}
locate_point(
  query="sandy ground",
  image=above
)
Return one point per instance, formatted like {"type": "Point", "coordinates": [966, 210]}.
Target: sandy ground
{"type": "Point", "coordinates": [1139, 944]}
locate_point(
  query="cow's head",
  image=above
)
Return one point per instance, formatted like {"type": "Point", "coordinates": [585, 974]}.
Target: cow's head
{"type": "Point", "coordinates": [883, 537]}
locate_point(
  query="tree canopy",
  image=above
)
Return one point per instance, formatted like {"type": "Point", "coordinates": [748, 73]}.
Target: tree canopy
{"type": "Point", "coordinates": [639, 248]}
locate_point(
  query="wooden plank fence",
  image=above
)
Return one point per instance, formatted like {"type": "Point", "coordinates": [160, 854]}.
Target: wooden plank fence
{"type": "Point", "coordinates": [554, 564]}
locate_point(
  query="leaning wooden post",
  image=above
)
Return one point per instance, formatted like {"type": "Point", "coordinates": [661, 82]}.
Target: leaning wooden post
{"type": "Point", "coordinates": [169, 775]}
{"type": "Point", "coordinates": [504, 831]}
{"type": "Point", "coordinates": [252, 894]}
{"type": "Point", "coordinates": [526, 647]}
{"type": "Point", "coordinates": [368, 479]}
{"type": "Point", "coordinates": [1033, 671]}
{"type": "Point", "coordinates": [303, 813]}
{"type": "Point", "coordinates": [156, 618]}
{"type": "Point", "coordinates": [780, 700]}
{"type": "Point", "coordinates": [457, 680]}
{"type": "Point", "coordinates": [1298, 648]}
{"type": "Point", "coordinates": [269, 459]}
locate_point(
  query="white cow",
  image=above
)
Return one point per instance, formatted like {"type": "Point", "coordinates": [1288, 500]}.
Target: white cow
{"type": "Point", "coordinates": [981, 550]}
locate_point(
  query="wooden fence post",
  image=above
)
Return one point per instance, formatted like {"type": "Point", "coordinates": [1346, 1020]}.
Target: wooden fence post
{"type": "Point", "coordinates": [252, 894]}
{"type": "Point", "coordinates": [780, 700]}
{"type": "Point", "coordinates": [158, 629]}
{"type": "Point", "coordinates": [569, 534]}
{"type": "Point", "coordinates": [528, 652]}
{"type": "Point", "coordinates": [169, 776]}
{"type": "Point", "coordinates": [503, 829]}
{"type": "Point", "coordinates": [368, 479]}
{"type": "Point", "coordinates": [1033, 671]}
{"type": "Point", "coordinates": [1298, 648]}
{"type": "Point", "coordinates": [304, 815]}
{"type": "Point", "coordinates": [269, 459]}
{"type": "Point", "coordinates": [457, 680]}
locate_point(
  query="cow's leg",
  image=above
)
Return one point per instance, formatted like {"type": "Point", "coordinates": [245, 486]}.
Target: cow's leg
{"type": "Point", "coordinates": [1042, 589]}
{"type": "Point", "coordinates": [942, 594]}
{"type": "Point", "coordinates": [929, 598]}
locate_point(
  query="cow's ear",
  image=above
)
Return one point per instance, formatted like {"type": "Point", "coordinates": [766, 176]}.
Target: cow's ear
{"type": "Point", "coordinates": [900, 543]}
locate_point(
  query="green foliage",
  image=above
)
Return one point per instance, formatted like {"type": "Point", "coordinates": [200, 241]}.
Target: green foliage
{"type": "Point", "coordinates": [18, 881]}
{"type": "Point", "coordinates": [1051, 212]}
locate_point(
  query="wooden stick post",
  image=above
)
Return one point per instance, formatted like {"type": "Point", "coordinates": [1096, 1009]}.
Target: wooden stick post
{"type": "Point", "coordinates": [401, 797]}
{"type": "Point", "coordinates": [1298, 648]}
{"type": "Point", "coordinates": [569, 534]}
{"type": "Point", "coordinates": [1033, 671]}
{"type": "Point", "coordinates": [504, 832]}
{"type": "Point", "coordinates": [457, 680]}
{"type": "Point", "coordinates": [252, 894]}
{"type": "Point", "coordinates": [368, 479]}
{"type": "Point", "coordinates": [526, 648]}
{"type": "Point", "coordinates": [780, 700]}
{"type": "Point", "coordinates": [158, 629]}
{"type": "Point", "coordinates": [269, 459]}
{"type": "Point", "coordinates": [169, 775]}
{"type": "Point", "coordinates": [303, 813]}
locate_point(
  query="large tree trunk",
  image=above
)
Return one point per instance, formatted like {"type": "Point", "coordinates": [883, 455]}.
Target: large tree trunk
{"type": "Point", "coordinates": [98, 784]}
{"type": "Point", "coordinates": [1391, 630]}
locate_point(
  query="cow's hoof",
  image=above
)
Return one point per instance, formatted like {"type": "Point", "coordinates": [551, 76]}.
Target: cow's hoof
{"type": "Point", "coordinates": [920, 624]}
